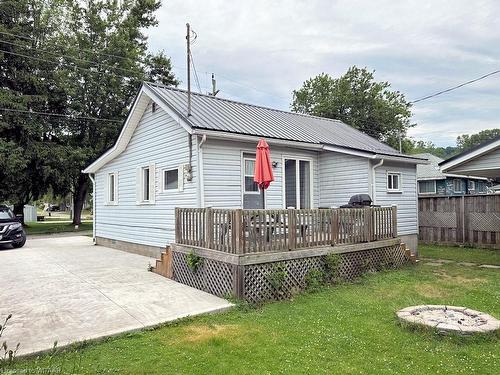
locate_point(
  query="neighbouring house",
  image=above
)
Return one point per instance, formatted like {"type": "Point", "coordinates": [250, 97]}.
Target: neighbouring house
{"type": "Point", "coordinates": [482, 160]}
{"type": "Point", "coordinates": [432, 181]}
{"type": "Point", "coordinates": [166, 158]}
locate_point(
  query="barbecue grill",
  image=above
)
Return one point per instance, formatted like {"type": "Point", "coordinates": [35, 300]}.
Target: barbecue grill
{"type": "Point", "coordinates": [359, 201]}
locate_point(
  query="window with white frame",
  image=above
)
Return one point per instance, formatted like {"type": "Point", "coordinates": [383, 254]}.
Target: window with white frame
{"type": "Point", "coordinates": [249, 169]}
{"type": "Point", "coordinates": [112, 188]}
{"type": "Point", "coordinates": [457, 185]}
{"type": "Point", "coordinates": [393, 182]}
{"type": "Point", "coordinates": [146, 184]}
{"type": "Point", "coordinates": [427, 187]}
{"type": "Point", "coordinates": [173, 179]}
{"type": "Point", "coordinates": [471, 185]}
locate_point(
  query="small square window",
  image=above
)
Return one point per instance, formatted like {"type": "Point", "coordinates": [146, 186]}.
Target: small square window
{"type": "Point", "coordinates": [172, 179]}
{"type": "Point", "coordinates": [393, 182]}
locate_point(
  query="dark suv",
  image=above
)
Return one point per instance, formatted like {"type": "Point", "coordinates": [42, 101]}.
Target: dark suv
{"type": "Point", "coordinates": [11, 230]}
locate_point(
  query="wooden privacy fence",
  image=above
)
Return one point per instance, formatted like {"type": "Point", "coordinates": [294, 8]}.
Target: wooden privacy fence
{"type": "Point", "coordinates": [470, 220]}
{"type": "Point", "coordinates": [240, 231]}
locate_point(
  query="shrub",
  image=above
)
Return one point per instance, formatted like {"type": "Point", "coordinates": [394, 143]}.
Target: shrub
{"type": "Point", "coordinates": [194, 261]}
{"type": "Point", "coordinates": [277, 278]}
{"type": "Point", "coordinates": [314, 279]}
{"type": "Point", "coordinates": [332, 267]}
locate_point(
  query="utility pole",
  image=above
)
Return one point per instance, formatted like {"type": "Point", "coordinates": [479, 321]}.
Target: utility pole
{"type": "Point", "coordinates": [188, 42]}
{"type": "Point", "coordinates": [214, 89]}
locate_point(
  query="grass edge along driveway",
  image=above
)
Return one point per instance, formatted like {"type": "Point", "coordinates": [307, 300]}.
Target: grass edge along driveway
{"type": "Point", "coordinates": [346, 329]}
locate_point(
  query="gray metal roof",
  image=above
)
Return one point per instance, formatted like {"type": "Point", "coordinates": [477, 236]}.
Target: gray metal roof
{"type": "Point", "coordinates": [224, 115]}
{"type": "Point", "coordinates": [429, 171]}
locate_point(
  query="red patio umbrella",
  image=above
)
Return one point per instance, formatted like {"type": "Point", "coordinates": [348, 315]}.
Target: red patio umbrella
{"type": "Point", "coordinates": [263, 174]}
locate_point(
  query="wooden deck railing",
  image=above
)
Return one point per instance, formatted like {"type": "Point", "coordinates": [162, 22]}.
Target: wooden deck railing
{"type": "Point", "coordinates": [239, 231]}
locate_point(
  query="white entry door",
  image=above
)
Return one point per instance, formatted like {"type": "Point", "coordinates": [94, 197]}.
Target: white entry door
{"type": "Point", "coordinates": [298, 183]}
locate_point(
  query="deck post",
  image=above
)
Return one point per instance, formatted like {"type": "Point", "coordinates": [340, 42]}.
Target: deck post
{"type": "Point", "coordinates": [237, 228]}
{"type": "Point", "coordinates": [238, 281]}
{"type": "Point", "coordinates": [209, 229]}
{"type": "Point", "coordinates": [394, 221]}
{"type": "Point", "coordinates": [335, 226]}
{"type": "Point", "coordinates": [367, 224]}
{"type": "Point", "coordinates": [292, 229]}
{"type": "Point", "coordinates": [177, 225]}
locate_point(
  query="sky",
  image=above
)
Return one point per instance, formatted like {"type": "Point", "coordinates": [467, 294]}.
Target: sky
{"type": "Point", "coordinates": [260, 51]}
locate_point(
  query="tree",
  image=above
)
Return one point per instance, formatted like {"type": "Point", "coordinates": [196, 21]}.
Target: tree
{"type": "Point", "coordinates": [27, 155]}
{"type": "Point", "coordinates": [106, 62]}
{"type": "Point", "coordinates": [418, 147]}
{"type": "Point", "coordinates": [466, 141]}
{"type": "Point", "coordinates": [356, 99]}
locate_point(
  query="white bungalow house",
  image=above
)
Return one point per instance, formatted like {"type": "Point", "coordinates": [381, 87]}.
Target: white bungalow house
{"type": "Point", "coordinates": [164, 159]}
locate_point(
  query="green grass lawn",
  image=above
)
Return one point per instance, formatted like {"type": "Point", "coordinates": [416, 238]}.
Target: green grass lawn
{"type": "Point", "coordinates": [460, 254]}
{"type": "Point", "coordinates": [49, 227]}
{"type": "Point", "coordinates": [346, 329]}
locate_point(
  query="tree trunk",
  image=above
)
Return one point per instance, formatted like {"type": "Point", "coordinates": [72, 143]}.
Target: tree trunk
{"type": "Point", "coordinates": [79, 198]}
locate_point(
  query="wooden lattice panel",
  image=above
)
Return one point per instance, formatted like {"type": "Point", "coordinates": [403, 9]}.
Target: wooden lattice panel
{"type": "Point", "coordinates": [437, 219]}
{"type": "Point", "coordinates": [258, 287]}
{"type": "Point", "coordinates": [485, 221]}
{"type": "Point", "coordinates": [212, 276]}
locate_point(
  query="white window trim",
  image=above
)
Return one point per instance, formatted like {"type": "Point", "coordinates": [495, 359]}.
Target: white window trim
{"type": "Point", "coordinates": [473, 185]}
{"type": "Point", "coordinates": [297, 166]}
{"type": "Point", "coordinates": [140, 185]}
{"type": "Point", "coordinates": [432, 192]}
{"type": "Point", "coordinates": [461, 186]}
{"type": "Point", "coordinates": [115, 193]}
{"type": "Point", "coordinates": [242, 173]}
{"type": "Point", "coordinates": [400, 182]}
{"type": "Point", "coordinates": [180, 179]}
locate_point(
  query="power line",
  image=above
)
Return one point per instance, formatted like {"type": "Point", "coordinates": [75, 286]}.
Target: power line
{"type": "Point", "coordinates": [69, 57]}
{"type": "Point", "coordinates": [455, 87]}
{"type": "Point", "coordinates": [195, 73]}
{"type": "Point", "coordinates": [66, 64]}
{"type": "Point", "coordinates": [69, 117]}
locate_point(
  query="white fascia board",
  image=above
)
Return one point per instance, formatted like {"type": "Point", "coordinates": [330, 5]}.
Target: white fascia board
{"type": "Point", "coordinates": [125, 134]}
{"type": "Point", "coordinates": [402, 159]}
{"type": "Point", "coordinates": [163, 105]}
{"type": "Point", "coordinates": [430, 178]}
{"type": "Point", "coordinates": [253, 138]}
{"type": "Point", "coordinates": [348, 151]}
{"type": "Point", "coordinates": [469, 156]}
{"type": "Point", "coordinates": [465, 176]}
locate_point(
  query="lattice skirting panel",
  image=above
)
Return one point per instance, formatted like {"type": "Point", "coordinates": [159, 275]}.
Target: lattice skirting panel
{"type": "Point", "coordinates": [212, 276]}
{"type": "Point", "coordinates": [257, 281]}
{"type": "Point", "coordinates": [258, 285]}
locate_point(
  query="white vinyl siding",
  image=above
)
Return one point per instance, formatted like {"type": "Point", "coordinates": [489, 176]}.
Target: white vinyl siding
{"type": "Point", "coordinates": [342, 176]}
{"type": "Point", "coordinates": [406, 201]}
{"type": "Point", "coordinates": [159, 143]}
{"type": "Point", "coordinates": [223, 167]}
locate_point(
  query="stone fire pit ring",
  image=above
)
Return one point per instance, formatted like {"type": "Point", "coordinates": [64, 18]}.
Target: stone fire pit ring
{"type": "Point", "coordinates": [449, 319]}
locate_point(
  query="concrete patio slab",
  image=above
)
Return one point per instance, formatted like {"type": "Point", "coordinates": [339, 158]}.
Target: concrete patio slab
{"type": "Point", "coordinates": [65, 289]}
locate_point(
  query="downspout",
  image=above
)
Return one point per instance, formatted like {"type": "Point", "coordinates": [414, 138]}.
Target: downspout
{"type": "Point", "coordinates": [201, 180]}
{"type": "Point", "coordinates": [92, 178]}
{"type": "Point", "coordinates": [374, 184]}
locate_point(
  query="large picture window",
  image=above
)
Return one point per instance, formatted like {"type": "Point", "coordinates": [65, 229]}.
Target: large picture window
{"type": "Point", "coordinates": [427, 187]}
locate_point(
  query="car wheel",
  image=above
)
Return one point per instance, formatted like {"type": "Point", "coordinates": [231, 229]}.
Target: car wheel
{"type": "Point", "coordinates": [17, 245]}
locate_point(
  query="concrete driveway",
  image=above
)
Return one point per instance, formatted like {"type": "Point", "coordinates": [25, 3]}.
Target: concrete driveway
{"type": "Point", "coordinates": [65, 289]}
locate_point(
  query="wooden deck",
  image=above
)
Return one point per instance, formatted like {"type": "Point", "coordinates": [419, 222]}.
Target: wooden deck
{"type": "Point", "coordinates": [237, 231]}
